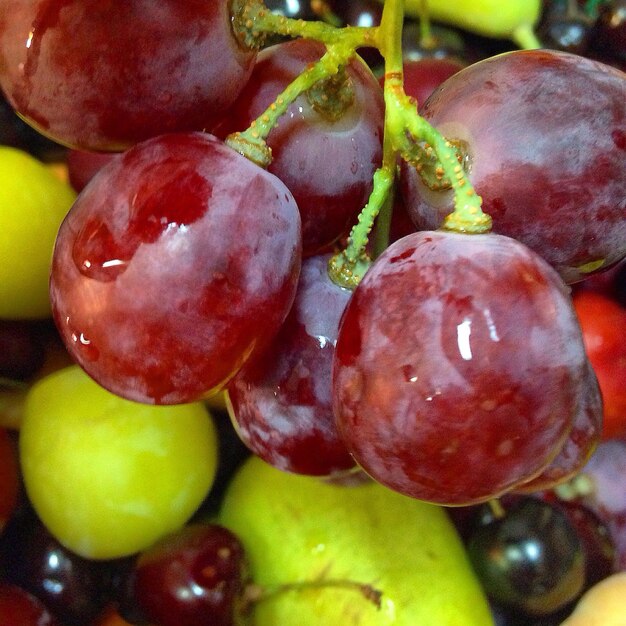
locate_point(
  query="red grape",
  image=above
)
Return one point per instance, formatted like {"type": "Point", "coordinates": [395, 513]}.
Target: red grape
{"type": "Point", "coordinates": [20, 608]}
{"type": "Point", "coordinates": [281, 403]}
{"type": "Point", "coordinates": [580, 443]}
{"type": "Point", "coordinates": [458, 367]}
{"type": "Point", "coordinates": [9, 477]}
{"type": "Point", "coordinates": [545, 133]}
{"type": "Point", "coordinates": [327, 164]}
{"type": "Point", "coordinates": [423, 76]}
{"type": "Point", "coordinates": [192, 578]}
{"type": "Point", "coordinates": [82, 166]}
{"type": "Point", "coordinates": [166, 264]}
{"type": "Point", "coordinates": [173, 66]}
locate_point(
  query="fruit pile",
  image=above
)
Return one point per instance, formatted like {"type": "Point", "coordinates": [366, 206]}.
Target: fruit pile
{"type": "Point", "coordinates": [312, 313]}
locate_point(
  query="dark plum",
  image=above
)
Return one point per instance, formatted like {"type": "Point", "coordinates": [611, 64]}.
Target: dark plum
{"type": "Point", "coordinates": [530, 559]}
{"type": "Point", "coordinates": [459, 367]}
{"type": "Point", "coordinates": [544, 133]}
{"type": "Point", "coordinates": [72, 587]}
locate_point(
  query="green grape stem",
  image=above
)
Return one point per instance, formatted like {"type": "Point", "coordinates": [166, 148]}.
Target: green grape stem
{"type": "Point", "coordinates": [405, 131]}
{"type": "Point", "coordinates": [253, 138]}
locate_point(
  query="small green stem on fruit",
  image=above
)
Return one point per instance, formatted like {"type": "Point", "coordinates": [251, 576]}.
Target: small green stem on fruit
{"type": "Point", "coordinates": [349, 266]}
{"type": "Point", "coordinates": [254, 21]}
{"type": "Point", "coordinates": [427, 39]}
{"type": "Point", "coordinates": [254, 594]}
{"type": "Point", "coordinates": [251, 142]}
{"type": "Point", "coordinates": [467, 217]}
{"type": "Point", "coordinates": [497, 510]}
{"type": "Point", "coordinates": [525, 37]}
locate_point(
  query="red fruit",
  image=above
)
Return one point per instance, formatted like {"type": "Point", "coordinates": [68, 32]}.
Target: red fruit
{"type": "Point", "coordinates": [9, 477]}
{"type": "Point", "coordinates": [603, 323]}
{"type": "Point", "coordinates": [20, 608]}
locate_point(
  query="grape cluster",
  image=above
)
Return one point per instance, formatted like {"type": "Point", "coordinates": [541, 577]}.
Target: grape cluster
{"type": "Point", "coordinates": [342, 239]}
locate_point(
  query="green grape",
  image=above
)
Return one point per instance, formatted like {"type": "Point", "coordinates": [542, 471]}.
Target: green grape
{"type": "Point", "coordinates": [108, 476]}
{"type": "Point", "coordinates": [33, 202]}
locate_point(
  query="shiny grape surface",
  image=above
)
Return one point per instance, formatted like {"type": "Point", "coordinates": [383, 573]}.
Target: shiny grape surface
{"type": "Point", "coordinates": [581, 442]}
{"type": "Point", "coordinates": [167, 262]}
{"type": "Point", "coordinates": [281, 403]}
{"type": "Point", "coordinates": [458, 367]}
{"type": "Point", "coordinates": [531, 558]}
{"type": "Point", "coordinates": [192, 578]}
{"type": "Point", "coordinates": [329, 192]}
{"type": "Point", "coordinates": [61, 73]}
{"type": "Point", "coordinates": [545, 133]}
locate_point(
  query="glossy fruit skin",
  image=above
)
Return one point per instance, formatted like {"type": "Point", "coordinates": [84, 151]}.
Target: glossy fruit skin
{"type": "Point", "coordinates": [546, 136]}
{"type": "Point", "coordinates": [447, 354]}
{"type": "Point", "coordinates": [423, 76]}
{"type": "Point", "coordinates": [531, 558]}
{"type": "Point", "coordinates": [299, 528]}
{"type": "Point", "coordinates": [281, 404]}
{"type": "Point", "coordinates": [581, 441]}
{"type": "Point", "coordinates": [108, 477]}
{"type": "Point", "coordinates": [167, 262]}
{"type": "Point", "coordinates": [193, 577]}
{"type": "Point", "coordinates": [75, 589]}
{"type": "Point", "coordinates": [34, 202]}
{"type": "Point", "coordinates": [329, 192]}
{"type": "Point", "coordinates": [603, 322]}
{"type": "Point", "coordinates": [63, 74]}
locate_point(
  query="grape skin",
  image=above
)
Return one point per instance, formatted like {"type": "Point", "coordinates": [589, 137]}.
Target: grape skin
{"type": "Point", "coordinates": [167, 262]}
{"type": "Point", "coordinates": [327, 165]}
{"type": "Point", "coordinates": [281, 403]}
{"type": "Point", "coordinates": [458, 368]}
{"type": "Point", "coordinates": [174, 66]}
{"type": "Point", "coordinates": [581, 441]}
{"type": "Point", "coordinates": [546, 134]}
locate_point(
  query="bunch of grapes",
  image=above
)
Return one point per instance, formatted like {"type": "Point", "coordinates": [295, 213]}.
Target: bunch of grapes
{"type": "Point", "coordinates": [374, 281]}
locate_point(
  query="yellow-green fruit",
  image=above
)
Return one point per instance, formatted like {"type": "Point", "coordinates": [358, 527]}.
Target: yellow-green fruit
{"type": "Point", "coordinates": [107, 476]}
{"type": "Point", "coordinates": [512, 19]}
{"type": "Point", "coordinates": [296, 529]}
{"type": "Point", "coordinates": [33, 203]}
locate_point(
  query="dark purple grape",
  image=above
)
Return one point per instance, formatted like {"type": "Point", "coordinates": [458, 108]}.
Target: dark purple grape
{"type": "Point", "coordinates": [456, 352]}
{"type": "Point", "coordinates": [604, 492]}
{"type": "Point", "coordinates": [166, 265]}
{"type": "Point", "coordinates": [565, 26]}
{"type": "Point", "coordinates": [174, 66]}
{"type": "Point", "coordinates": [329, 192]}
{"type": "Point", "coordinates": [194, 577]}
{"type": "Point", "coordinates": [530, 559]}
{"type": "Point", "coordinates": [610, 31]}
{"type": "Point", "coordinates": [545, 137]}
{"type": "Point", "coordinates": [281, 404]}
{"type": "Point", "coordinates": [73, 588]}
